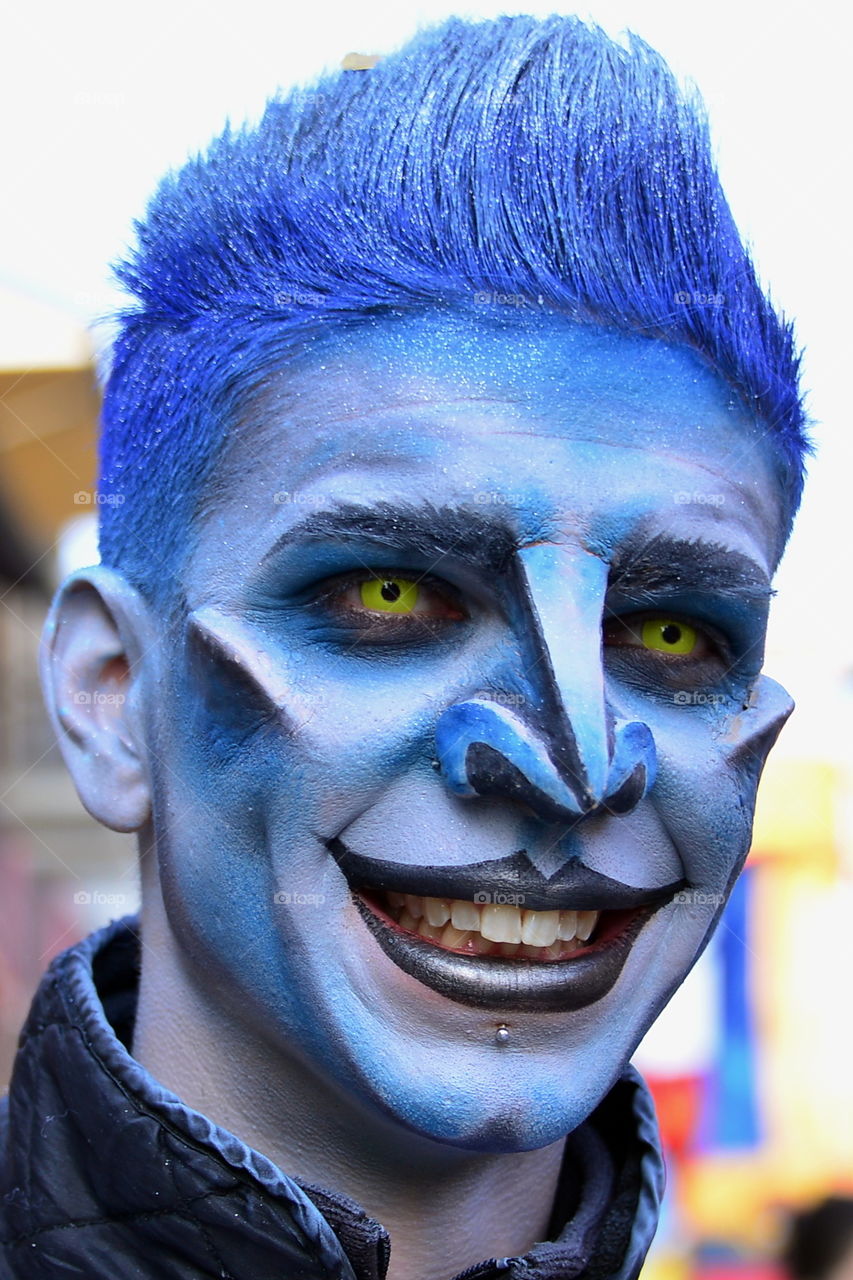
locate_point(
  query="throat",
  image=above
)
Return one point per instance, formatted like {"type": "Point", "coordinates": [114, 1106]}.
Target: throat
{"type": "Point", "coordinates": [489, 1206]}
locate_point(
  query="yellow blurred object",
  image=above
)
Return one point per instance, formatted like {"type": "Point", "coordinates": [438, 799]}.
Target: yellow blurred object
{"type": "Point", "coordinates": [48, 448]}
{"type": "Point", "coordinates": [359, 61]}
{"type": "Point", "coordinates": [800, 947]}
{"type": "Point", "coordinates": [796, 813]}
{"type": "Point", "coordinates": [735, 1198]}
{"type": "Point", "coordinates": [666, 1266]}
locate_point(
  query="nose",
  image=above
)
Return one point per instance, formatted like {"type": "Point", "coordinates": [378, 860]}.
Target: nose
{"type": "Point", "coordinates": [485, 749]}
{"type": "Point", "coordinates": [559, 749]}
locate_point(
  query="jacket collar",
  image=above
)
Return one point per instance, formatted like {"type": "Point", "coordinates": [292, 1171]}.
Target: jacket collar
{"type": "Point", "coordinates": [95, 1144]}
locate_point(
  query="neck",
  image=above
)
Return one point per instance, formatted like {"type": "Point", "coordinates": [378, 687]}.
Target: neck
{"type": "Point", "coordinates": [444, 1208]}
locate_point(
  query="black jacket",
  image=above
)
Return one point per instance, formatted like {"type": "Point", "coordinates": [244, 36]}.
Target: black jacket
{"type": "Point", "coordinates": [106, 1175]}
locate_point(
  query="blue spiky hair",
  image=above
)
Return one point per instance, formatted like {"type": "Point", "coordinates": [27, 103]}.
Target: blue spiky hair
{"type": "Point", "coordinates": [525, 157]}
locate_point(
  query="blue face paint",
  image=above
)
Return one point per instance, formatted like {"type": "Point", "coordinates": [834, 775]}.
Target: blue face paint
{"type": "Point", "coordinates": [581, 526]}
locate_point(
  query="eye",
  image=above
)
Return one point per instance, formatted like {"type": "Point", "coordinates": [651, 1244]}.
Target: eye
{"type": "Point", "coordinates": [665, 635]}
{"type": "Point", "coordinates": [391, 599]}
{"type": "Point", "coordinates": [660, 634]}
{"type": "Point", "coordinates": [390, 595]}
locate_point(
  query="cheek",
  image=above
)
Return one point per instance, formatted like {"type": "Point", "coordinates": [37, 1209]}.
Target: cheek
{"type": "Point", "coordinates": [339, 725]}
{"type": "Point", "coordinates": [702, 801]}
{"type": "Point", "coordinates": [709, 768]}
{"type": "Point", "coordinates": [361, 733]}
{"type": "Point", "coordinates": [707, 811]}
{"type": "Point", "coordinates": [234, 816]}
{"type": "Point", "coordinates": [209, 778]}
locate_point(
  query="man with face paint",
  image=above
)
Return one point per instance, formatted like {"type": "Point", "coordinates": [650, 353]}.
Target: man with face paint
{"type": "Point", "coordinates": [457, 447]}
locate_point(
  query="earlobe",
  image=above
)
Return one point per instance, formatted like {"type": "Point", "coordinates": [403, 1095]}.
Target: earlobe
{"type": "Point", "coordinates": [92, 669]}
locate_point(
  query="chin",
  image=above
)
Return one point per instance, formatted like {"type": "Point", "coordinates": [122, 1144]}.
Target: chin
{"type": "Point", "coordinates": [489, 1098]}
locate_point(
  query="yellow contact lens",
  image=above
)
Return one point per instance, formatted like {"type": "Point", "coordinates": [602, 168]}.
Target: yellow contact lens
{"type": "Point", "coordinates": [390, 595]}
{"type": "Point", "coordinates": [665, 635]}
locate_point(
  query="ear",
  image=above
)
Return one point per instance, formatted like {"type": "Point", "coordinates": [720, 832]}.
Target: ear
{"type": "Point", "coordinates": [93, 667]}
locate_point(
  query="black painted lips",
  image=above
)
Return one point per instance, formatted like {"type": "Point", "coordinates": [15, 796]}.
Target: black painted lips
{"type": "Point", "coordinates": [574, 886]}
{"type": "Point", "coordinates": [507, 984]}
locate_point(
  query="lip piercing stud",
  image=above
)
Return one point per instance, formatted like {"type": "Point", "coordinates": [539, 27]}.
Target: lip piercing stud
{"type": "Point", "coordinates": [502, 1035]}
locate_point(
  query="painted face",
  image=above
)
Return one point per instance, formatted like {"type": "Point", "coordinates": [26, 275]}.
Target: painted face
{"type": "Point", "coordinates": [464, 726]}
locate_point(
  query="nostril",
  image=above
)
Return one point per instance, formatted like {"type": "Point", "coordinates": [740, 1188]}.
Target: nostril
{"type": "Point", "coordinates": [633, 768]}
{"type": "Point", "coordinates": [487, 749]}
{"type": "Point", "coordinates": [629, 794]}
{"type": "Point", "coordinates": [491, 774]}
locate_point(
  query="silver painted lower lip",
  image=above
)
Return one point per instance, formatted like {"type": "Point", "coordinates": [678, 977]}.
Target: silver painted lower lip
{"type": "Point", "coordinates": [504, 984]}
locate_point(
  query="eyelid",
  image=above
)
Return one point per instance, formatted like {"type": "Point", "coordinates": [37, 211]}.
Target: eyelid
{"type": "Point", "coordinates": [339, 583]}
{"type": "Point", "coordinates": [633, 620]}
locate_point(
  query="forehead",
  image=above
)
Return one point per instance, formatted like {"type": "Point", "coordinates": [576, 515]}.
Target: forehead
{"type": "Point", "coordinates": [533, 355]}
{"type": "Point", "coordinates": [546, 422]}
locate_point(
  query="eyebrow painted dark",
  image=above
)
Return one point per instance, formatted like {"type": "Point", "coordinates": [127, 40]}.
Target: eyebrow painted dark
{"type": "Point", "coordinates": [666, 564]}
{"type": "Point", "coordinates": [660, 564]}
{"type": "Point", "coordinates": [487, 542]}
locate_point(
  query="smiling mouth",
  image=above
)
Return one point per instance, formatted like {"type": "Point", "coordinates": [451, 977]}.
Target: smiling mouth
{"type": "Point", "coordinates": [470, 968]}
{"type": "Point", "coordinates": [557, 943]}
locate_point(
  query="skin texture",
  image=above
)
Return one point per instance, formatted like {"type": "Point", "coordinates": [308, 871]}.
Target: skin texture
{"type": "Point", "coordinates": [596, 481]}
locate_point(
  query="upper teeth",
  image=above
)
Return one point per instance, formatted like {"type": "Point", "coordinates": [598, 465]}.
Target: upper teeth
{"type": "Point", "coordinates": [497, 922]}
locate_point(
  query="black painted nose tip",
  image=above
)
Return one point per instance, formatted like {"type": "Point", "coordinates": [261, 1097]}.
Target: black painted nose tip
{"type": "Point", "coordinates": [486, 749]}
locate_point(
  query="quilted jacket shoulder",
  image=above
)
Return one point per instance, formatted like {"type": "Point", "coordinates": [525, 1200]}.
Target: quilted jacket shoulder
{"type": "Point", "coordinates": [106, 1174]}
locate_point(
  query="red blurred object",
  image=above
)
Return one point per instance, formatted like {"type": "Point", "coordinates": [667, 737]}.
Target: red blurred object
{"type": "Point", "coordinates": [678, 1100]}
{"type": "Point", "coordinates": [739, 1270]}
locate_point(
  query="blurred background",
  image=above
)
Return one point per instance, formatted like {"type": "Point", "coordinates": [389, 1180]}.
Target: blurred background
{"type": "Point", "coordinates": [751, 1064]}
